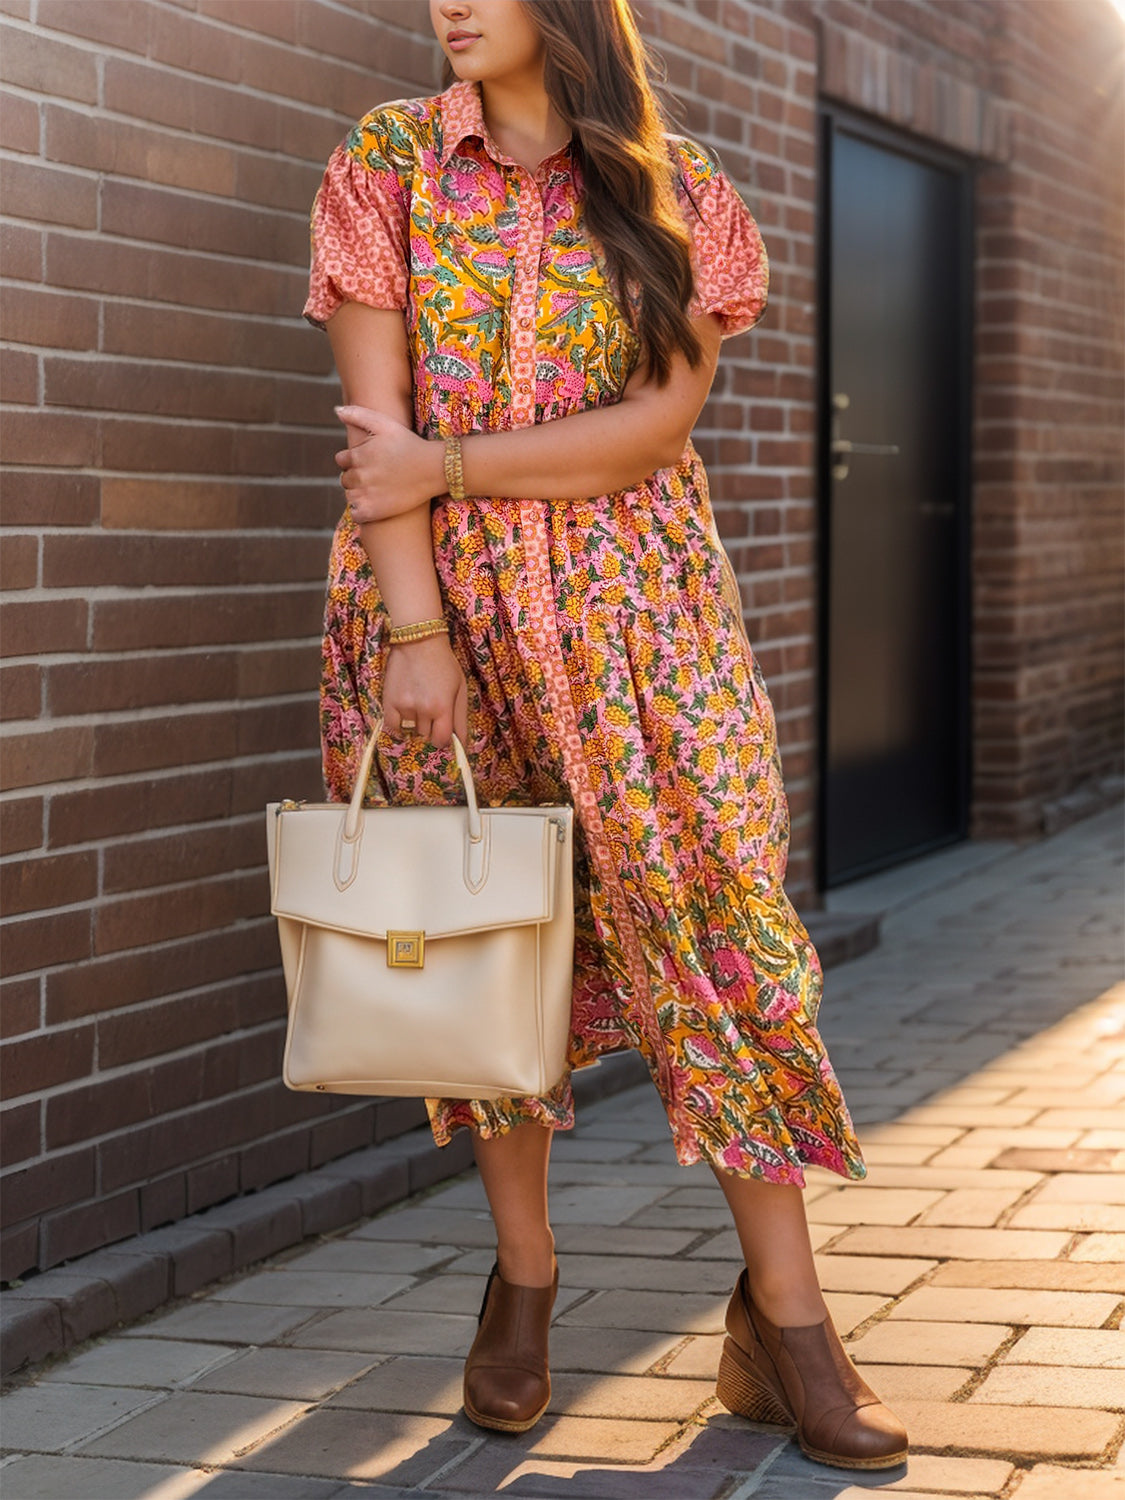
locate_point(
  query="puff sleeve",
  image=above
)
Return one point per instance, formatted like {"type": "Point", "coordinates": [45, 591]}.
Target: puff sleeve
{"type": "Point", "coordinates": [360, 222]}
{"type": "Point", "coordinates": [729, 257]}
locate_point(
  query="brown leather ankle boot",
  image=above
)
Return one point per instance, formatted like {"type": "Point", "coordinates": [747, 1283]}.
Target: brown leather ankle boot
{"type": "Point", "coordinates": [802, 1376]}
{"type": "Point", "coordinates": [507, 1379]}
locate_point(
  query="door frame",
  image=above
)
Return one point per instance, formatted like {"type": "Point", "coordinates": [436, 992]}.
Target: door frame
{"type": "Point", "coordinates": [832, 116]}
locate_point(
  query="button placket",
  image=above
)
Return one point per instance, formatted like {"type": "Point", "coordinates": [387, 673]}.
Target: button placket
{"type": "Point", "coordinates": [525, 294]}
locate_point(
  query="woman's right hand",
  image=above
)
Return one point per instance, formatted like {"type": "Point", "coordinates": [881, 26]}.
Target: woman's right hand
{"type": "Point", "coordinates": [424, 683]}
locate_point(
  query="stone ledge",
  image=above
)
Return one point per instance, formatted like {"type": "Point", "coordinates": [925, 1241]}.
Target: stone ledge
{"type": "Point", "coordinates": [842, 935]}
{"type": "Point", "coordinates": [62, 1307]}
{"type": "Point", "coordinates": [1090, 797]}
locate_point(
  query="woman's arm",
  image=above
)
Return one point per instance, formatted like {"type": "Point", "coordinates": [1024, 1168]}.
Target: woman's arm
{"type": "Point", "coordinates": [603, 449]}
{"type": "Point", "coordinates": [591, 452]}
{"type": "Point", "coordinates": [423, 682]}
{"type": "Point", "coordinates": [373, 363]}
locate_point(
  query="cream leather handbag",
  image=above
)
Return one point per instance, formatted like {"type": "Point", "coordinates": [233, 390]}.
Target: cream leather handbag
{"type": "Point", "coordinates": [427, 950]}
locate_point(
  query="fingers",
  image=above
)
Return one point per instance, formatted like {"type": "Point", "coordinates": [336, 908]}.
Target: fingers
{"type": "Point", "coordinates": [358, 416]}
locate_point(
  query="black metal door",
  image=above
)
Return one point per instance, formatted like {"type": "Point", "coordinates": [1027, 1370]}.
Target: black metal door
{"type": "Point", "coordinates": [896, 273]}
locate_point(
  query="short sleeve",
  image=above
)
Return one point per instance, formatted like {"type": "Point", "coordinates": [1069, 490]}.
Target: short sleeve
{"type": "Point", "coordinates": [729, 258]}
{"type": "Point", "coordinates": [360, 222]}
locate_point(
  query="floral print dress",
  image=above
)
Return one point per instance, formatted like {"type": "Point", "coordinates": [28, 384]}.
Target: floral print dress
{"type": "Point", "coordinates": [607, 662]}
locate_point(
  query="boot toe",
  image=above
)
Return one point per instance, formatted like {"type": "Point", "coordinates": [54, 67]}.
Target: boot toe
{"type": "Point", "coordinates": [510, 1397]}
{"type": "Point", "coordinates": [870, 1436]}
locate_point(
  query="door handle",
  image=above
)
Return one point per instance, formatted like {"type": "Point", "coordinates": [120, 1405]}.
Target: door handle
{"type": "Point", "coordinates": [845, 445]}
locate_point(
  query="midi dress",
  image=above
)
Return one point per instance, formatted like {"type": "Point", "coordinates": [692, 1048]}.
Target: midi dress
{"type": "Point", "coordinates": [607, 667]}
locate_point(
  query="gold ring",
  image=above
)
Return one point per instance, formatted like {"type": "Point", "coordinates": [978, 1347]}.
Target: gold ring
{"type": "Point", "coordinates": [408, 724]}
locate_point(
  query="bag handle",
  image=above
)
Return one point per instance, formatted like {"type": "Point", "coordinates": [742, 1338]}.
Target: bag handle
{"type": "Point", "coordinates": [352, 822]}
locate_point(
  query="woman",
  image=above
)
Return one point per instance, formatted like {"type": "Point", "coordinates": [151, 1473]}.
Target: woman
{"type": "Point", "coordinates": [529, 261]}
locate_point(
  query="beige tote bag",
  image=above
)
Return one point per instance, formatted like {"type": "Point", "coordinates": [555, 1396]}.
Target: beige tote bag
{"type": "Point", "coordinates": [427, 950]}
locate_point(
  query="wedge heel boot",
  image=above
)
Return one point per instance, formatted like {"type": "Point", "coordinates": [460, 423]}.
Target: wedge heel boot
{"type": "Point", "coordinates": [802, 1377]}
{"type": "Point", "coordinates": [507, 1383]}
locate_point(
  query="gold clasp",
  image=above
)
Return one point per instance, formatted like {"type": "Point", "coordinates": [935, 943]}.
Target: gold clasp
{"type": "Point", "coordinates": [406, 950]}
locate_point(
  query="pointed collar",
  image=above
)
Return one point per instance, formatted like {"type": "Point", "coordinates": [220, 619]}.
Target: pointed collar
{"type": "Point", "coordinates": [462, 117]}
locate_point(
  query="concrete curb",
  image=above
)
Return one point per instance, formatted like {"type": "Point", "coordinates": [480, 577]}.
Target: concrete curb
{"type": "Point", "coordinates": [62, 1307]}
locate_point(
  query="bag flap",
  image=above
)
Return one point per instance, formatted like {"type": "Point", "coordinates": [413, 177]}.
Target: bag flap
{"type": "Point", "coordinates": [414, 868]}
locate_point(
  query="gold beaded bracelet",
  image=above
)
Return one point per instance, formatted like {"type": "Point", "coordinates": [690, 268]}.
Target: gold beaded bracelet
{"type": "Point", "coordinates": [419, 631]}
{"type": "Point", "coordinates": [454, 474]}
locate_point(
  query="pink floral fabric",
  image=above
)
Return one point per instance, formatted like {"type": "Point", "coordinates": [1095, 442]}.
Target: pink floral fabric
{"type": "Point", "coordinates": [608, 666]}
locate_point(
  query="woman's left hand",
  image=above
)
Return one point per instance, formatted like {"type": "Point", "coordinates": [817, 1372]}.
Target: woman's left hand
{"type": "Point", "coordinates": [392, 471]}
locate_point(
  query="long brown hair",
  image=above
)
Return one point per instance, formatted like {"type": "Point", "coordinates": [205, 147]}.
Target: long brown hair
{"type": "Point", "coordinates": [600, 75]}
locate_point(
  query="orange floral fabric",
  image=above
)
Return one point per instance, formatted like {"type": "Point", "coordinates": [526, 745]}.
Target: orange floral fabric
{"type": "Point", "coordinates": [607, 668]}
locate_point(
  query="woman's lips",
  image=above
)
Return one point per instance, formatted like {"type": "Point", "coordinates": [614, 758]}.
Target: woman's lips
{"type": "Point", "coordinates": [459, 43]}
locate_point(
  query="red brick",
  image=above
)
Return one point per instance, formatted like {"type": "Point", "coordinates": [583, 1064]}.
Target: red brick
{"type": "Point", "coordinates": [164, 390]}
{"type": "Point", "coordinates": [154, 1028]}
{"type": "Point", "coordinates": [48, 66]}
{"type": "Point", "coordinates": [38, 942]}
{"type": "Point", "coordinates": [163, 1201]}
{"type": "Point", "coordinates": [69, 561]}
{"type": "Point", "coordinates": [54, 437]}
{"type": "Point", "coordinates": [256, 783]}
{"type": "Point", "coordinates": [20, 1133]}
{"type": "Point", "coordinates": [48, 196]}
{"type": "Point", "coordinates": [21, 252]}
{"type": "Point", "coordinates": [105, 1106]}
{"type": "Point", "coordinates": [19, 378]}
{"type": "Point", "coordinates": [21, 692]}
{"type": "Point", "coordinates": [150, 446]}
{"type": "Point", "coordinates": [39, 1062]}
{"type": "Point", "coordinates": [21, 824]}
{"type": "Point", "coordinates": [44, 499]}
{"type": "Point", "coordinates": [19, 1253]}
{"type": "Point", "coordinates": [212, 1182]}
{"type": "Point", "coordinates": [62, 1178]}
{"type": "Point", "coordinates": [349, 1129]}
{"type": "Point", "coordinates": [139, 561]}
{"type": "Point", "coordinates": [52, 755]}
{"type": "Point", "coordinates": [123, 24]}
{"type": "Point", "coordinates": [21, 1007]}
{"type": "Point", "coordinates": [128, 978]}
{"type": "Point", "coordinates": [93, 686]}
{"type": "Point", "coordinates": [176, 740]}
{"type": "Point", "coordinates": [176, 276]}
{"type": "Point", "coordinates": [184, 855]}
{"type": "Point", "coordinates": [102, 811]}
{"type": "Point", "coordinates": [76, 1231]}
{"type": "Point", "coordinates": [203, 619]}
{"type": "Point", "coordinates": [150, 332]}
{"type": "Point", "coordinates": [133, 922]}
{"type": "Point", "coordinates": [278, 19]}
{"type": "Point", "coordinates": [190, 1137]}
{"type": "Point", "coordinates": [216, 505]}
{"type": "Point", "coordinates": [225, 229]}
{"type": "Point", "coordinates": [278, 669]}
{"type": "Point", "coordinates": [19, 561]}
{"type": "Point", "coordinates": [190, 104]}
{"type": "Point", "coordinates": [182, 41]}
{"type": "Point", "coordinates": [54, 880]}
{"type": "Point", "coordinates": [273, 1160]}
{"type": "Point", "coordinates": [54, 320]}
{"type": "Point", "coordinates": [290, 724]}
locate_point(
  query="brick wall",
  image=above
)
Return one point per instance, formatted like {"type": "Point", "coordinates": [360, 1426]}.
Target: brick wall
{"type": "Point", "coordinates": [1034, 93]}
{"type": "Point", "coordinates": [169, 505]}
{"type": "Point", "coordinates": [1048, 542]}
{"type": "Point", "coordinates": [170, 499]}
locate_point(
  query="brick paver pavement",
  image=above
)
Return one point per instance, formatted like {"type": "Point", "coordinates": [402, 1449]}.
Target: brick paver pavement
{"type": "Point", "coordinates": [977, 1274]}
